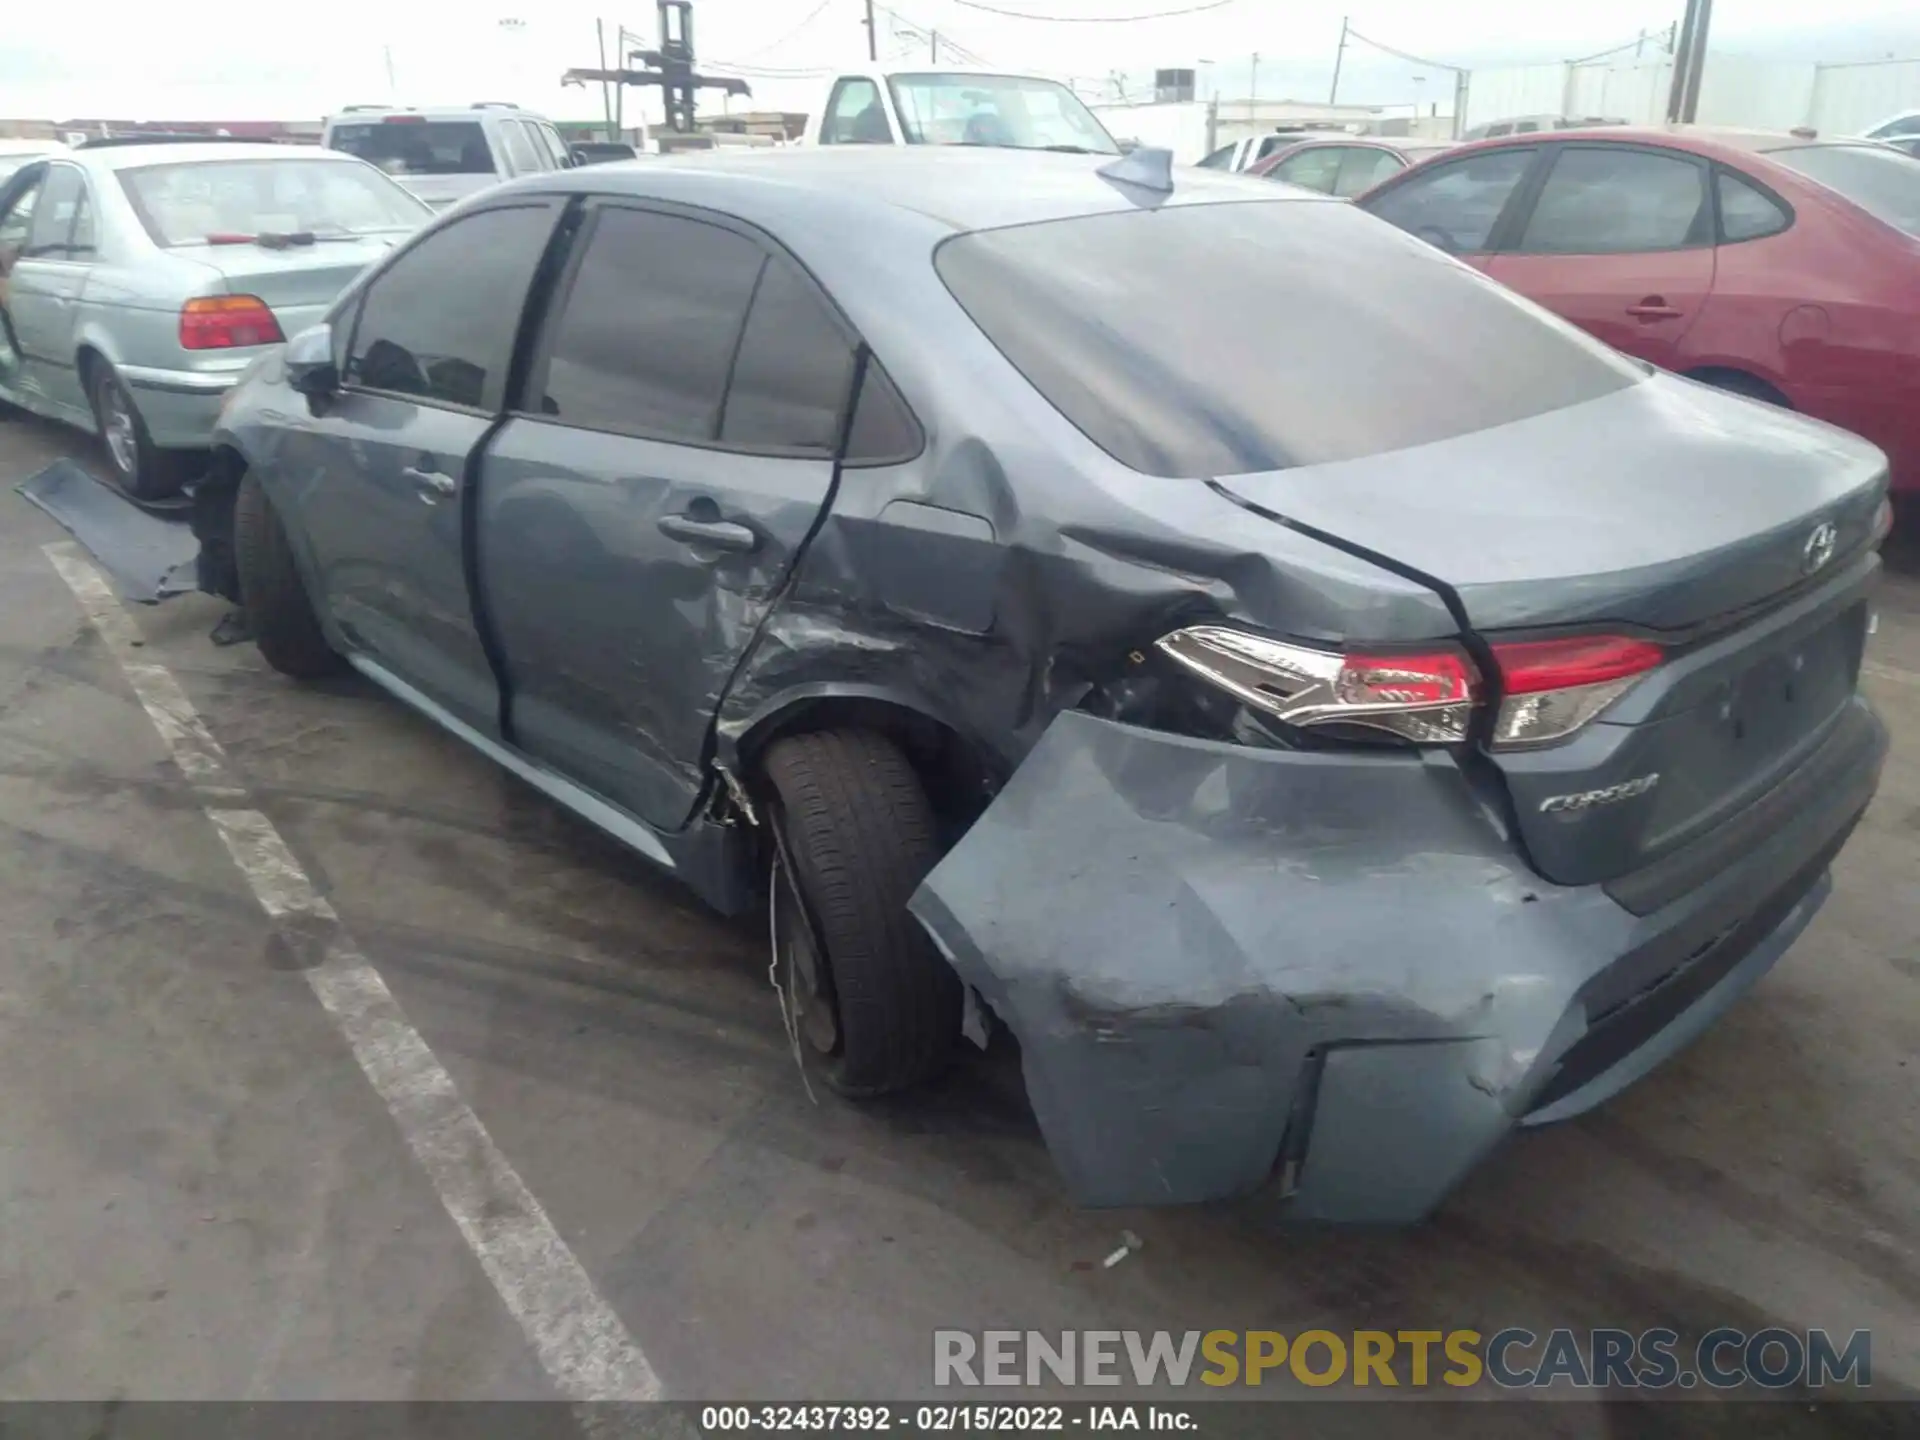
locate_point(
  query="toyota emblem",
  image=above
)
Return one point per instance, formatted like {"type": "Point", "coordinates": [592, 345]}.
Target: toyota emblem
{"type": "Point", "coordinates": [1819, 547]}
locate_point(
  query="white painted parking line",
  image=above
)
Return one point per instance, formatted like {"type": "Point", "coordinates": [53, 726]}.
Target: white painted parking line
{"type": "Point", "coordinates": [583, 1346]}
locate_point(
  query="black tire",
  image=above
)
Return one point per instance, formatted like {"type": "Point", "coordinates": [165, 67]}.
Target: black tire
{"type": "Point", "coordinates": [276, 600]}
{"type": "Point", "coordinates": [139, 467]}
{"type": "Point", "coordinates": [861, 835]}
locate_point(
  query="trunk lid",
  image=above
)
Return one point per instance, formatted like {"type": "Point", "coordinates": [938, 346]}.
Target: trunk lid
{"type": "Point", "coordinates": [1734, 534]}
{"type": "Point", "coordinates": [300, 282]}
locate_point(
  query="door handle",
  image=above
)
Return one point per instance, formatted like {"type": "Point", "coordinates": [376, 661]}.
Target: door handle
{"type": "Point", "coordinates": [433, 485]}
{"type": "Point", "coordinates": [1654, 308]}
{"type": "Point", "coordinates": [713, 534]}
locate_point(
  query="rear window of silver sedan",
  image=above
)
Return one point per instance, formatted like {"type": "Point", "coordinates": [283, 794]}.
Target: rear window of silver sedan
{"type": "Point", "coordinates": [194, 202]}
{"type": "Point", "coordinates": [1227, 339]}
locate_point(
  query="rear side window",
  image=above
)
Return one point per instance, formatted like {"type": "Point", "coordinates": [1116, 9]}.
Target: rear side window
{"type": "Point", "coordinates": [1221, 159]}
{"type": "Point", "coordinates": [1883, 182]}
{"type": "Point", "coordinates": [439, 322]}
{"type": "Point", "coordinates": [1456, 206]}
{"type": "Point", "coordinates": [649, 328]}
{"type": "Point", "coordinates": [61, 198]}
{"type": "Point", "coordinates": [404, 146]}
{"type": "Point", "coordinates": [1315, 168]}
{"type": "Point", "coordinates": [1618, 201]}
{"type": "Point", "coordinates": [790, 382]}
{"type": "Point", "coordinates": [1210, 340]}
{"type": "Point", "coordinates": [1747, 213]}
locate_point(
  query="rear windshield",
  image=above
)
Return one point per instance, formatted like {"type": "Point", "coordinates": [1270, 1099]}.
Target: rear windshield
{"type": "Point", "coordinates": [188, 204]}
{"type": "Point", "coordinates": [1231, 338]}
{"type": "Point", "coordinates": [1019, 112]}
{"type": "Point", "coordinates": [1881, 181]}
{"type": "Point", "coordinates": [417, 147]}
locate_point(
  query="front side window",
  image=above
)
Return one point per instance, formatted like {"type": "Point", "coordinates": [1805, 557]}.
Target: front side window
{"type": "Point", "coordinates": [61, 199]}
{"type": "Point", "coordinates": [1456, 206]}
{"type": "Point", "coordinates": [1618, 201]}
{"type": "Point", "coordinates": [1211, 340]}
{"type": "Point", "coordinates": [1883, 182]}
{"type": "Point", "coordinates": [439, 321]}
{"type": "Point", "coordinates": [245, 199]}
{"type": "Point", "coordinates": [1746, 213]}
{"type": "Point", "coordinates": [1018, 112]}
{"type": "Point", "coordinates": [17, 223]}
{"type": "Point", "coordinates": [649, 327]}
{"type": "Point", "coordinates": [1362, 168]}
{"type": "Point", "coordinates": [521, 156]}
{"type": "Point", "coordinates": [1316, 168]}
{"type": "Point", "coordinates": [405, 145]}
{"type": "Point", "coordinates": [856, 116]}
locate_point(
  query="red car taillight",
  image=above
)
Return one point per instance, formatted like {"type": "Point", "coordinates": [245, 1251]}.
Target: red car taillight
{"type": "Point", "coordinates": [227, 322]}
{"type": "Point", "coordinates": [1550, 688]}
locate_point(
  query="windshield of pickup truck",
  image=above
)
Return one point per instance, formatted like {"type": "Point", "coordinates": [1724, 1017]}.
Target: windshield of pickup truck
{"type": "Point", "coordinates": [1018, 112]}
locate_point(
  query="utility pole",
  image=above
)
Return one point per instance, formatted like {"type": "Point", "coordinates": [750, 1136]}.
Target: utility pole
{"type": "Point", "coordinates": [933, 47]}
{"type": "Point", "coordinates": [1689, 61]}
{"type": "Point", "coordinates": [1253, 87]}
{"type": "Point", "coordinates": [1333, 91]}
{"type": "Point", "coordinates": [873, 36]}
{"type": "Point", "coordinates": [606, 86]}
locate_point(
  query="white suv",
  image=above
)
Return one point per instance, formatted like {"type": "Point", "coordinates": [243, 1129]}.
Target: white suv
{"type": "Point", "coordinates": [445, 155]}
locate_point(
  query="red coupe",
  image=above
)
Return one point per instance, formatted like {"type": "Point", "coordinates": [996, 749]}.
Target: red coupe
{"type": "Point", "coordinates": [1780, 265]}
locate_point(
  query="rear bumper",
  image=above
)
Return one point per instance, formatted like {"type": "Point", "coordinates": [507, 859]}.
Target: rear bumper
{"type": "Point", "coordinates": [1330, 979]}
{"type": "Point", "coordinates": [179, 406]}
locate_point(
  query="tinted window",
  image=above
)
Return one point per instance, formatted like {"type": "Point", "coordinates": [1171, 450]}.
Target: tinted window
{"type": "Point", "coordinates": [1455, 206]}
{"type": "Point", "coordinates": [790, 382]}
{"type": "Point", "coordinates": [1221, 159]}
{"type": "Point", "coordinates": [521, 155]}
{"type": "Point", "coordinates": [1223, 339]}
{"type": "Point", "coordinates": [53, 216]}
{"type": "Point", "coordinates": [1746, 213]}
{"type": "Point", "coordinates": [1880, 181]}
{"type": "Point", "coordinates": [855, 116]}
{"type": "Point", "coordinates": [418, 147]}
{"type": "Point", "coordinates": [1605, 202]}
{"type": "Point", "coordinates": [439, 321]}
{"type": "Point", "coordinates": [1362, 168]}
{"type": "Point", "coordinates": [649, 327]}
{"type": "Point", "coordinates": [1314, 169]}
{"type": "Point", "coordinates": [884, 429]}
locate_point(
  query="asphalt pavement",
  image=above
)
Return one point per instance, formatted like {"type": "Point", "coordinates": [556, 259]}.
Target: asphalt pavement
{"type": "Point", "coordinates": [217, 1180]}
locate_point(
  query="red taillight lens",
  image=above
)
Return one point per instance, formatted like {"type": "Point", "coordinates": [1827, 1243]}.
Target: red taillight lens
{"type": "Point", "coordinates": [1553, 687]}
{"type": "Point", "coordinates": [227, 322]}
{"type": "Point", "coordinates": [1530, 666]}
{"type": "Point", "coordinates": [1442, 678]}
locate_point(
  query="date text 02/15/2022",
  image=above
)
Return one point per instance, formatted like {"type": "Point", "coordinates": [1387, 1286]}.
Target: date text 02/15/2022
{"type": "Point", "coordinates": [941, 1419]}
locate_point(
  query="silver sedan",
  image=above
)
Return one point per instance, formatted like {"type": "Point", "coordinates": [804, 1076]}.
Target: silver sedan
{"type": "Point", "coordinates": [138, 280]}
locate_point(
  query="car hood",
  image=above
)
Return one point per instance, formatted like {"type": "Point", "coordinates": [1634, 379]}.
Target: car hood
{"type": "Point", "coordinates": [1662, 504]}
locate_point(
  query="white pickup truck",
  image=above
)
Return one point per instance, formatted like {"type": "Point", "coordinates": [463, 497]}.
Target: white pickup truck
{"type": "Point", "coordinates": [947, 105]}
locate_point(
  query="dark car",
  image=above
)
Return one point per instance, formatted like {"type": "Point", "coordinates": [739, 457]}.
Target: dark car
{"type": "Point", "coordinates": [1773, 263]}
{"type": "Point", "coordinates": [1346, 165]}
{"type": "Point", "coordinates": [1111, 605]}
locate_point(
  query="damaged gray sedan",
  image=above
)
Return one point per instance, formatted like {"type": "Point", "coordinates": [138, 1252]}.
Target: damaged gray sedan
{"type": "Point", "coordinates": [1330, 711]}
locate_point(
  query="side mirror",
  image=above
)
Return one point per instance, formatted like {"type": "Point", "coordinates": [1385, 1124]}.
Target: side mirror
{"type": "Point", "coordinates": [309, 362]}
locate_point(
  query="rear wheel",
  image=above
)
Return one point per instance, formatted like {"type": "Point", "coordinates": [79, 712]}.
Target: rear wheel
{"type": "Point", "coordinates": [140, 467]}
{"type": "Point", "coordinates": [873, 1001]}
{"type": "Point", "coordinates": [275, 598]}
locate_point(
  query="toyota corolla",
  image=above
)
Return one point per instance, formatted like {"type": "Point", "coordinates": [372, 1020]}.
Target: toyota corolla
{"type": "Point", "coordinates": [1331, 711]}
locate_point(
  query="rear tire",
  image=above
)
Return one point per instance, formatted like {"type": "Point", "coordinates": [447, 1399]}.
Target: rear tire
{"type": "Point", "coordinates": [861, 835]}
{"type": "Point", "coordinates": [284, 625]}
{"type": "Point", "coordinates": [140, 467]}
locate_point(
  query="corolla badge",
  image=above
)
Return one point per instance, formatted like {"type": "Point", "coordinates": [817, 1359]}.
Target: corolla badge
{"type": "Point", "coordinates": [1819, 547]}
{"type": "Point", "coordinates": [1612, 795]}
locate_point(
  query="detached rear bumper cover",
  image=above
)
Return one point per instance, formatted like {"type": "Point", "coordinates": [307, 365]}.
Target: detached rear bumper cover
{"type": "Point", "coordinates": [1327, 976]}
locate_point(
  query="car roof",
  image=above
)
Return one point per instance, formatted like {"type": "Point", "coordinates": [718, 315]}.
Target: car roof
{"type": "Point", "coordinates": [375, 114]}
{"type": "Point", "coordinates": [188, 152]}
{"type": "Point", "coordinates": [1699, 139]}
{"type": "Point", "coordinates": [957, 187]}
{"type": "Point", "coordinates": [874, 70]}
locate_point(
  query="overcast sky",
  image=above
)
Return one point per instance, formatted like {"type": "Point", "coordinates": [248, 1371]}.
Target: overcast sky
{"type": "Point", "coordinates": [135, 59]}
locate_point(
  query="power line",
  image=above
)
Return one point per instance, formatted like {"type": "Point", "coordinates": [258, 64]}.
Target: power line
{"type": "Point", "coordinates": [1094, 19]}
{"type": "Point", "coordinates": [1353, 34]}
{"type": "Point", "coordinates": [812, 15]}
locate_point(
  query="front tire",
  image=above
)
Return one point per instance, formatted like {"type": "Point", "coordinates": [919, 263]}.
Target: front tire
{"type": "Point", "coordinates": [882, 1010]}
{"type": "Point", "coordinates": [140, 467]}
{"type": "Point", "coordinates": [275, 598]}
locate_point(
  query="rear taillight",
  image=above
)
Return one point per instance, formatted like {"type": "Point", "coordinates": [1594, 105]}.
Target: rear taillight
{"type": "Point", "coordinates": [227, 322]}
{"type": "Point", "coordinates": [1550, 688]}
{"type": "Point", "coordinates": [1426, 696]}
